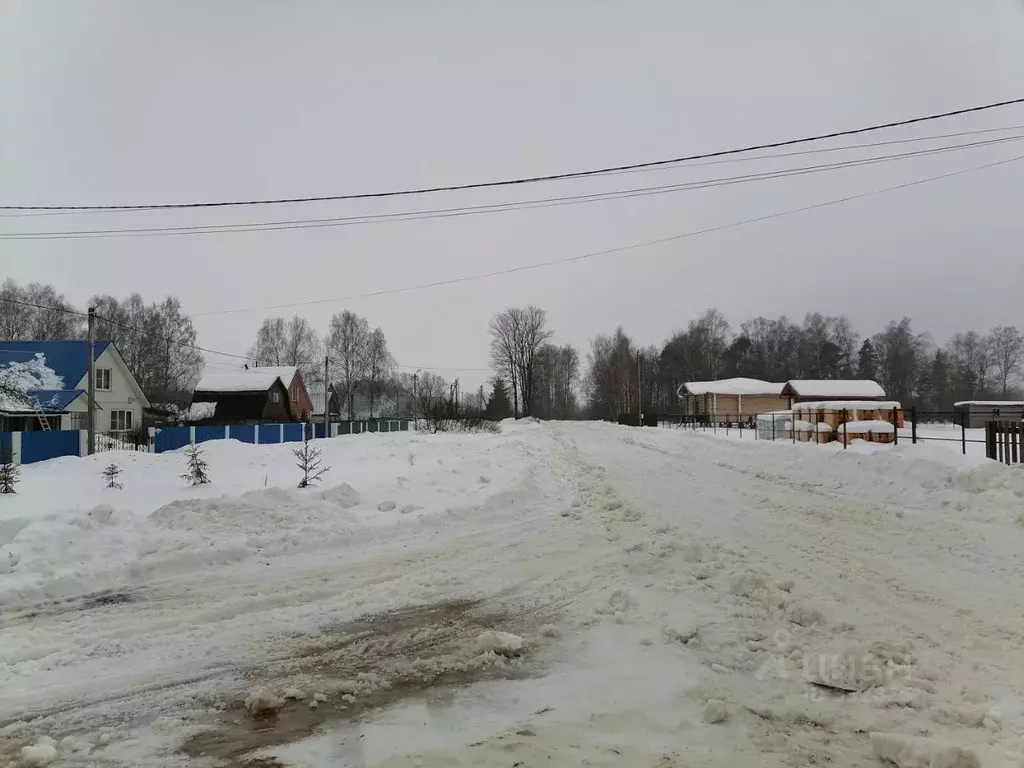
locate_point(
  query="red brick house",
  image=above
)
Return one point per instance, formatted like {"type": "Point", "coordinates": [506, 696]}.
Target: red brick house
{"type": "Point", "coordinates": [253, 395]}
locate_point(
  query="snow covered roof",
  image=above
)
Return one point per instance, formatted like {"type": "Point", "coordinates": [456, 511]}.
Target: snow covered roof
{"type": "Point", "coordinates": [991, 403]}
{"type": "Point", "coordinates": [29, 384]}
{"type": "Point", "coordinates": [242, 380]}
{"type": "Point", "coordinates": [737, 386]}
{"type": "Point", "coordinates": [68, 360]}
{"type": "Point", "coordinates": [862, 389]}
{"type": "Point", "coordinates": [286, 372]}
{"type": "Point", "coordinates": [200, 411]}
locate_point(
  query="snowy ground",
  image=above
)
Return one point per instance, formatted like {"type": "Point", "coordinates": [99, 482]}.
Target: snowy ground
{"type": "Point", "coordinates": [676, 595]}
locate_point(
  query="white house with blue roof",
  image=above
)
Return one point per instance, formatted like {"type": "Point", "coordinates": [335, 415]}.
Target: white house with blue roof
{"type": "Point", "coordinates": [60, 372]}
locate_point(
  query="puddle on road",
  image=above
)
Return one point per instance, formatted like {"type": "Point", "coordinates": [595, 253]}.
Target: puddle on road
{"type": "Point", "coordinates": [425, 651]}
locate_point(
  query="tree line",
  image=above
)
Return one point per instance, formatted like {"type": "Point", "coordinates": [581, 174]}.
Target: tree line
{"type": "Point", "coordinates": [910, 366]}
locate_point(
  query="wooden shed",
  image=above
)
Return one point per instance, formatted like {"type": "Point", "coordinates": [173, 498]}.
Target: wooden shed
{"type": "Point", "coordinates": [819, 390]}
{"type": "Point", "coordinates": [732, 400]}
{"type": "Point", "coordinates": [976, 413]}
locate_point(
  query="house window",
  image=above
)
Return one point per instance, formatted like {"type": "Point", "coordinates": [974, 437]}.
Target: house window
{"type": "Point", "coordinates": [120, 421]}
{"type": "Point", "coordinates": [275, 396]}
{"type": "Point", "coordinates": [79, 420]}
{"type": "Point", "coordinates": [103, 379]}
{"type": "Point", "coordinates": [295, 394]}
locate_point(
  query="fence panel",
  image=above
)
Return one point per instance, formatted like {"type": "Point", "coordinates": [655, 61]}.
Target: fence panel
{"type": "Point", "coordinates": [40, 446]}
{"type": "Point", "coordinates": [244, 432]}
{"type": "Point", "coordinates": [207, 432]}
{"type": "Point", "coordinates": [170, 438]}
{"type": "Point", "coordinates": [1004, 441]}
{"type": "Point", "coordinates": [270, 433]}
{"type": "Point", "coordinates": [293, 433]}
{"type": "Point", "coordinates": [318, 429]}
{"type": "Point", "coordinates": [122, 441]}
{"type": "Point", "coordinates": [6, 447]}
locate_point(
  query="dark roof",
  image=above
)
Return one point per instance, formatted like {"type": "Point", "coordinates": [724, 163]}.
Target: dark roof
{"type": "Point", "coordinates": [68, 359]}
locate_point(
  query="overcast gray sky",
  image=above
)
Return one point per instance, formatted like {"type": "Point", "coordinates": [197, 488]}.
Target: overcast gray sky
{"type": "Point", "coordinates": [141, 102]}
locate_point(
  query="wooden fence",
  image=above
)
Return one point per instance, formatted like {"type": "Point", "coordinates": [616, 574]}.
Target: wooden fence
{"type": "Point", "coordinates": [1004, 441]}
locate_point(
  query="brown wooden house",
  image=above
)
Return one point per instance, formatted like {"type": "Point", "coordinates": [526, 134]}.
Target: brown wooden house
{"type": "Point", "coordinates": [816, 391]}
{"type": "Point", "coordinates": [733, 400]}
{"type": "Point", "coordinates": [248, 395]}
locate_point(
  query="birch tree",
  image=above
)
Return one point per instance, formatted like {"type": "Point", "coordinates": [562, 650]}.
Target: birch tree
{"type": "Point", "coordinates": [347, 342]}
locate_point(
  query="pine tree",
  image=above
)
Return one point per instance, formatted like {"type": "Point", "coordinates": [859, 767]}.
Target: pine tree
{"type": "Point", "coordinates": [309, 462]}
{"type": "Point", "coordinates": [498, 405]}
{"type": "Point", "coordinates": [866, 368]}
{"type": "Point", "coordinates": [197, 468]}
{"type": "Point", "coordinates": [8, 470]}
{"type": "Point", "coordinates": [112, 473]}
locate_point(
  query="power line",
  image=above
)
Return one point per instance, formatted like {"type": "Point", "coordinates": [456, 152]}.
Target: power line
{"type": "Point", "coordinates": [757, 158]}
{"type": "Point", "coordinates": [533, 179]}
{"type": "Point", "coordinates": [495, 207]}
{"type": "Point", "coordinates": [618, 249]}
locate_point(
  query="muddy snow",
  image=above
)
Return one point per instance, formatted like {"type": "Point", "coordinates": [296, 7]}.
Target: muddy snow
{"type": "Point", "coordinates": [560, 594]}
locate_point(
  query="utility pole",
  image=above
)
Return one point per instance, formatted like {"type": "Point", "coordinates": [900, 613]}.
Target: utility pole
{"type": "Point", "coordinates": [327, 396]}
{"type": "Point", "coordinates": [639, 392]}
{"type": "Point", "coordinates": [92, 381]}
{"type": "Point", "coordinates": [415, 396]}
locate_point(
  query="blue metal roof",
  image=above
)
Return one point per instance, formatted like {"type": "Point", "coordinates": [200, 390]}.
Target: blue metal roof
{"type": "Point", "coordinates": [56, 399]}
{"type": "Point", "coordinates": [68, 359]}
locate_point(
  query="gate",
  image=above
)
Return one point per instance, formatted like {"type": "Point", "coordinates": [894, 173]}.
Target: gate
{"type": "Point", "coordinates": [1004, 441]}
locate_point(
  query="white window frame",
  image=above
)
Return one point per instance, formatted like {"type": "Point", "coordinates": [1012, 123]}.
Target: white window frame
{"type": "Point", "coordinates": [295, 394]}
{"type": "Point", "coordinates": [122, 424]}
{"type": "Point", "coordinates": [275, 396]}
{"type": "Point", "coordinates": [101, 374]}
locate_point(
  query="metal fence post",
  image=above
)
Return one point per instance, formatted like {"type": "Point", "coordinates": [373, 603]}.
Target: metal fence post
{"type": "Point", "coordinates": [846, 432]}
{"type": "Point", "coordinates": [963, 431]}
{"type": "Point", "coordinates": [913, 424]}
{"type": "Point", "coordinates": [773, 427]}
{"type": "Point", "coordinates": [895, 426]}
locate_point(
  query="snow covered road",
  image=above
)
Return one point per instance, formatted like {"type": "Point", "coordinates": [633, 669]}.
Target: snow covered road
{"type": "Point", "coordinates": [683, 600]}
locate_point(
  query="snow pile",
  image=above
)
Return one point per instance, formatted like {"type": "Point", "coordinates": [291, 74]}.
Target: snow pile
{"type": "Point", "coordinates": [916, 752]}
{"type": "Point", "coordinates": [261, 703]}
{"type": "Point", "coordinates": [874, 427]}
{"type": "Point", "coordinates": [501, 643]}
{"type": "Point", "coordinates": [200, 411]}
{"type": "Point", "coordinates": [40, 754]}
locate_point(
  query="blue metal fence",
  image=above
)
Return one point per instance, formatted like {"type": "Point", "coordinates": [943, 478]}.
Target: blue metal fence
{"type": "Point", "coordinates": [170, 438]}
{"type": "Point", "coordinates": [40, 446]}
{"type": "Point", "coordinates": [206, 432]}
{"type": "Point", "coordinates": [244, 432]}
{"type": "Point", "coordinates": [293, 433]}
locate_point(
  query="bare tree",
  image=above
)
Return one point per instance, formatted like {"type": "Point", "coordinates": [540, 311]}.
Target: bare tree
{"type": "Point", "coordinates": [347, 342]}
{"type": "Point", "coordinates": [157, 342]}
{"type": "Point", "coordinates": [971, 356]}
{"type": "Point", "coordinates": [429, 392]}
{"type": "Point", "coordinates": [1006, 344]}
{"type": "Point", "coordinates": [611, 376]}
{"type": "Point", "coordinates": [517, 337]}
{"type": "Point", "coordinates": [37, 311]}
{"type": "Point", "coordinates": [899, 357]}
{"type": "Point", "coordinates": [504, 330]}
{"type": "Point", "coordinates": [380, 367]}
{"type": "Point", "coordinates": [289, 342]}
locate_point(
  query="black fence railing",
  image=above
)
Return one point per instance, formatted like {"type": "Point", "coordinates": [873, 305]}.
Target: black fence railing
{"type": "Point", "coordinates": [841, 425]}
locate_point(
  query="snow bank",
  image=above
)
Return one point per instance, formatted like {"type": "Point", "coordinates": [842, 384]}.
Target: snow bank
{"type": "Point", "coordinates": [874, 426]}
{"type": "Point", "coordinates": [200, 411]}
{"type": "Point", "coordinates": [916, 752]}
{"type": "Point", "coordinates": [262, 703]}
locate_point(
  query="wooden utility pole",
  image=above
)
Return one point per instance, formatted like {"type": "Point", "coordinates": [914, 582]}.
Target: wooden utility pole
{"type": "Point", "coordinates": [327, 396]}
{"type": "Point", "coordinates": [91, 405]}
